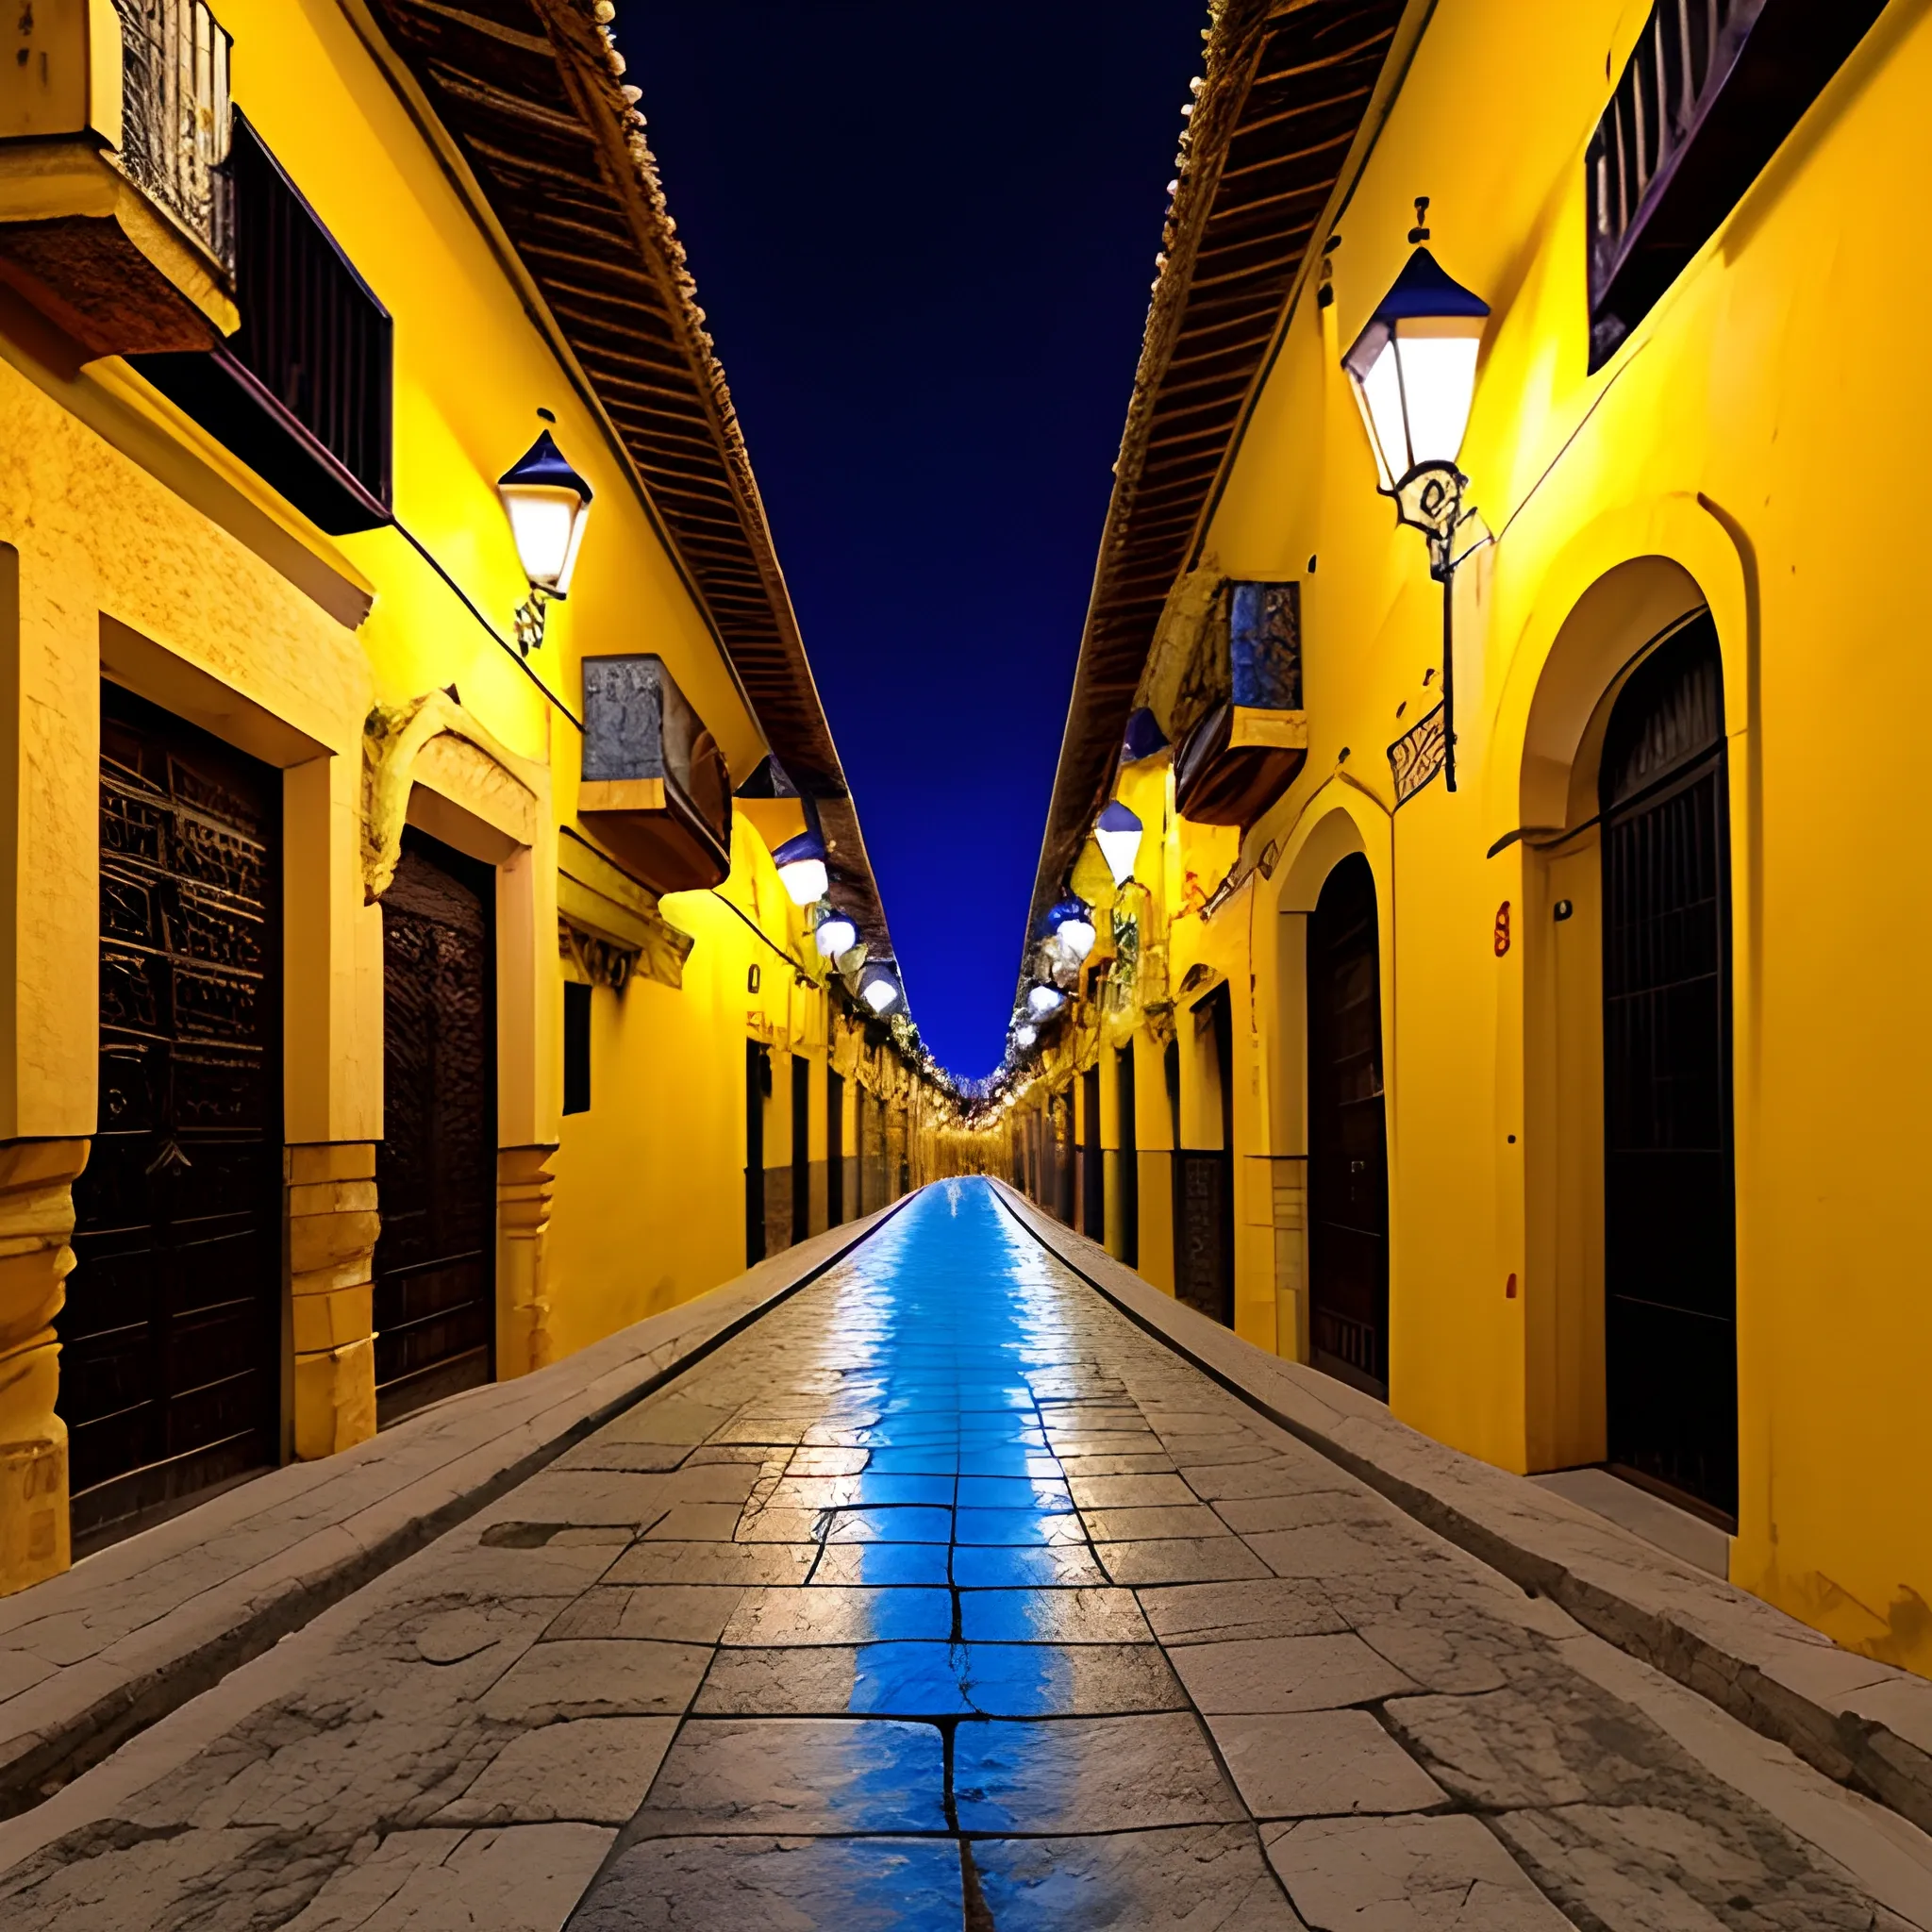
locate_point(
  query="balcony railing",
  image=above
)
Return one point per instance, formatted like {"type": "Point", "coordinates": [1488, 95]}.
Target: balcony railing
{"type": "Point", "coordinates": [1710, 91]}
{"type": "Point", "coordinates": [176, 118]}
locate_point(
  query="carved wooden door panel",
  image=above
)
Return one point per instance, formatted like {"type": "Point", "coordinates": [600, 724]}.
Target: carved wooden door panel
{"type": "Point", "coordinates": [1349, 1147]}
{"type": "Point", "coordinates": [436, 1168]}
{"type": "Point", "coordinates": [171, 1335]}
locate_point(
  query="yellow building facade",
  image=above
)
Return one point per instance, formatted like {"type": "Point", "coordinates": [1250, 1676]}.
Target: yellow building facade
{"type": "Point", "coordinates": [1631, 1015]}
{"type": "Point", "coordinates": [363, 1042]}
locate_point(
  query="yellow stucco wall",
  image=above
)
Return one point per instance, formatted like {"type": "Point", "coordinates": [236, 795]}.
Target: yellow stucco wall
{"type": "Point", "coordinates": [133, 545]}
{"type": "Point", "coordinates": [1748, 449]}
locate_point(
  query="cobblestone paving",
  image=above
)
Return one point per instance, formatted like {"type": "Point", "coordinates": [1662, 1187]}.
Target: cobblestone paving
{"type": "Point", "coordinates": [945, 1597]}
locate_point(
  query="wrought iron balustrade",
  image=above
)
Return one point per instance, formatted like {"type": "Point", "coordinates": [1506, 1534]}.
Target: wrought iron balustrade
{"type": "Point", "coordinates": [175, 116]}
{"type": "Point", "coordinates": [1709, 92]}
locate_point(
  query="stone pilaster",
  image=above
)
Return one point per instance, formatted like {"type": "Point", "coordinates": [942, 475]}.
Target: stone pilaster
{"type": "Point", "coordinates": [36, 1224]}
{"type": "Point", "coordinates": [523, 1188]}
{"type": "Point", "coordinates": [332, 1228]}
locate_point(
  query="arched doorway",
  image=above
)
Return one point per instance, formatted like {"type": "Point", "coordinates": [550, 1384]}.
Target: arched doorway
{"type": "Point", "coordinates": [1670, 1242]}
{"type": "Point", "coordinates": [1348, 1148]}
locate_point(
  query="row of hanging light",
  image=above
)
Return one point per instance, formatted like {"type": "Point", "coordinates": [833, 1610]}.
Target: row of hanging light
{"type": "Point", "coordinates": [1413, 371]}
{"type": "Point", "coordinates": [806, 878]}
{"type": "Point", "coordinates": [549, 504]}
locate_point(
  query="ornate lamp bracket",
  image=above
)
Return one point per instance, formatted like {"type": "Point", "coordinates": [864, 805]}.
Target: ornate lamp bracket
{"type": "Point", "coordinates": [530, 616]}
{"type": "Point", "coordinates": [1430, 499]}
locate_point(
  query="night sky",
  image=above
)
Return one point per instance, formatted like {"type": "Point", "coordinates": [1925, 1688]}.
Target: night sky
{"type": "Point", "coordinates": [922, 236]}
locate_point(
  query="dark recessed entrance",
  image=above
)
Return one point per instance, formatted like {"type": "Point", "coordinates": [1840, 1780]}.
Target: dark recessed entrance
{"type": "Point", "coordinates": [1670, 1248]}
{"type": "Point", "coordinates": [1349, 1147]}
{"type": "Point", "coordinates": [436, 1168]}
{"type": "Point", "coordinates": [1203, 1177]}
{"type": "Point", "coordinates": [171, 1335]}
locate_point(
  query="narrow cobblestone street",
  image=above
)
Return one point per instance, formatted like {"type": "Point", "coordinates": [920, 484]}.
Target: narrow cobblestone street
{"type": "Point", "coordinates": [943, 1597]}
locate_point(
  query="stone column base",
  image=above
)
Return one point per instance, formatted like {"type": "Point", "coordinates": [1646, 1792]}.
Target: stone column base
{"type": "Point", "coordinates": [36, 1223]}
{"type": "Point", "coordinates": [523, 1188]}
{"type": "Point", "coordinates": [332, 1229]}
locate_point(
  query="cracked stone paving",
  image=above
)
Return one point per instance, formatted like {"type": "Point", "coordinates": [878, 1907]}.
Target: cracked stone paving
{"type": "Point", "coordinates": [943, 1597]}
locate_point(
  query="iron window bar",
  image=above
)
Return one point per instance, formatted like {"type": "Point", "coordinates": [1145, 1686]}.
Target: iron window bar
{"type": "Point", "coordinates": [175, 116]}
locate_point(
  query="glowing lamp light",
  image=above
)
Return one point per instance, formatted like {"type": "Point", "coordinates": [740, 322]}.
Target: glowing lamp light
{"type": "Point", "coordinates": [1070, 924]}
{"type": "Point", "coordinates": [1024, 1036]}
{"type": "Point", "coordinates": [1414, 367]}
{"type": "Point", "coordinates": [1117, 832]}
{"type": "Point", "coordinates": [879, 989]}
{"type": "Point", "coordinates": [836, 936]}
{"type": "Point", "coordinates": [549, 504]}
{"type": "Point", "coordinates": [801, 863]}
{"type": "Point", "coordinates": [1044, 1002]}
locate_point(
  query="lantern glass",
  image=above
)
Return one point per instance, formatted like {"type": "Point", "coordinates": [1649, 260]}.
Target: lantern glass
{"type": "Point", "coordinates": [804, 880]}
{"type": "Point", "coordinates": [1044, 1001]}
{"type": "Point", "coordinates": [1117, 832]}
{"type": "Point", "coordinates": [879, 992]}
{"type": "Point", "coordinates": [1026, 1035]}
{"type": "Point", "coordinates": [549, 504]}
{"type": "Point", "coordinates": [836, 936]}
{"type": "Point", "coordinates": [1075, 938]}
{"type": "Point", "coordinates": [1414, 369]}
{"type": "Point", "coordinates": [801, 863]}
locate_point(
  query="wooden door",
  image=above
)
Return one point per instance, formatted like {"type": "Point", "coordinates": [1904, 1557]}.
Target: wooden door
{"type": "Point", "coordinates": [1092, 1160]}
{"type": "Point", "coordinates": [758, 1086]}
{"type": "Point", "coordinates": [835, 1148]}
{"type": "Point", "coordinates": [1348, 1148]}
{"type": "Point", "coordinates": [436, 1168]}
{"type": "Point", "coordinates": [1669, 1261]}
{"type": "Point", "coordinates": [1130, 1159]}
{"type": "Point", "coordinates": [170, 1335]}
{"type": "Point", "coordinates": [1203, 1177]}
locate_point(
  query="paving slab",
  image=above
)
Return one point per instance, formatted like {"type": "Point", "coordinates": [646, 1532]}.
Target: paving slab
{"type": "Point", "coordinates": [778, 1885]}
{"type": "Point", "coordinates": [1200, 1878]}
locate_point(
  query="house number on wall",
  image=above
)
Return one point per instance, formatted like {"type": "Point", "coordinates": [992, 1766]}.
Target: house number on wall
{"type": "Point", "coordinates": [1502, 928]}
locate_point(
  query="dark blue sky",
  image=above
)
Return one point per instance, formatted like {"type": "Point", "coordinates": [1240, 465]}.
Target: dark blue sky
{"type": "Point", "coordinates": [923, 235]}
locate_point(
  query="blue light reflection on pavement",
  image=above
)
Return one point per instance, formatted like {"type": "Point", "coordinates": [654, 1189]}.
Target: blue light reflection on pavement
{"type": "Point", "coordinates": [941, 1340]}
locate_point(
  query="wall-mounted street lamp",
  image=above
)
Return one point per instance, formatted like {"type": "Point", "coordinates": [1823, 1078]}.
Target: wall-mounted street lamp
{"type": "Point", "coordinates": [834, 935]}
{"type": "Point", "coordinates": [1069, 927]}
{"type": "Point", "coordinates": [1117, 832]}
{"type": "Point", "coordinates": [549, 504]}
{"type": "Point", "coordinates": [1044, 1002]}
{"type": "Point", "coordinates": [878, 987]}
{"type": "Point", "coordinates": [1414, 367]}
{"type": "Point", "coordinates": [801, 863]}
{"type": "Point", "coordinates": [1026, 1035]}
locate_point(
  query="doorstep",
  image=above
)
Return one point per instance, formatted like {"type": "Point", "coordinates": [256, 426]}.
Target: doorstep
{"type": "Point", "coordinates": [1867, 1724]}
{"type": "Point", "coordinates": [134, 1631]}
{"type": "Point", "coordinates": [1660, 1523]}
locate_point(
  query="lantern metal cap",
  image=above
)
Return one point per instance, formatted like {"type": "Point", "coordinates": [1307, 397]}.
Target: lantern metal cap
{"type": "Point", "coordinates": [807, 845]}
{"type": "Point", "coordinates": [1424, 288]}
{"type": "Point", "coordinates": [1144, 737]}
{"type": "Point", "coordinates": [543, 466]}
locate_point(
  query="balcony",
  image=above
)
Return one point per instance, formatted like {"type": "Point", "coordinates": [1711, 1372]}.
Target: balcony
{"type": "Point", "coordinates": [1237, 758]}
{"type": "Point", "coordinates": [655, 793]}
{"type": "Point", "coordinates": [114, 207]}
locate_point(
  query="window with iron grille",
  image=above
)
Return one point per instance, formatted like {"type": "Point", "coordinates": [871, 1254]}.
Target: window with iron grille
{"type": "Point", "coordinates": [1711, 91]}
{"type": "Point", "coordinates": [302, 391]}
